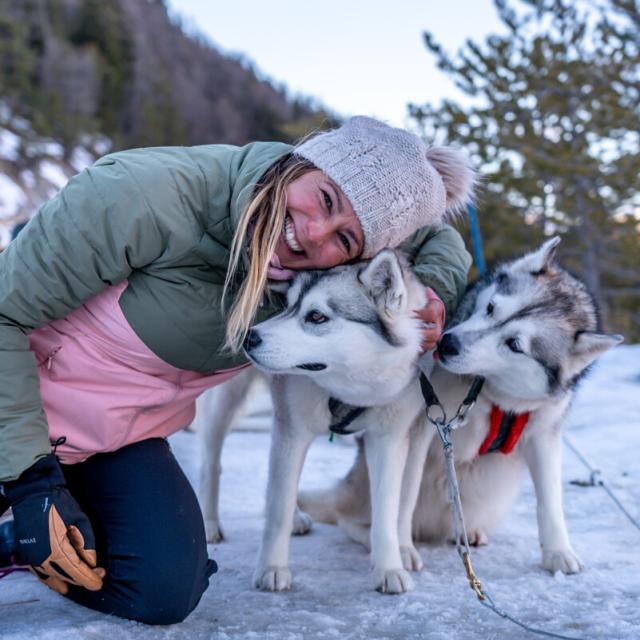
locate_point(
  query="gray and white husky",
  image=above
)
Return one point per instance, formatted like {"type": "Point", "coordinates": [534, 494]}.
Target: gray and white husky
{"type": "Point", "coordinates": [530, 329]}
{"type": "Point", "coordinates": [348, 334]}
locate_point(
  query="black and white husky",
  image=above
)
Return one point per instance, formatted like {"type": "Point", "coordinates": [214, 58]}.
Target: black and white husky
{"type": "Point", "coordinates": [530, 329]}
{"type": "Point", "coordinates": [348, 334]}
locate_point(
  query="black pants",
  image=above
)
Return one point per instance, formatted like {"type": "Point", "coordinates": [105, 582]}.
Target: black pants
{"type": "Point", "coordinates": [149, 533]}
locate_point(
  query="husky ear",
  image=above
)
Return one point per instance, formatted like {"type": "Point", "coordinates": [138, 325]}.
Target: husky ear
{"type": "Point", "coordinates": [384, 280]}
{"type": "Point", "coordinates": [540, 262]}
{"type": "Point", "coordinates": [589, 345]}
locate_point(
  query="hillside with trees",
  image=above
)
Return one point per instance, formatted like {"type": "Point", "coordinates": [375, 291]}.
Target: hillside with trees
{"type": "Point", "coordinates": [125, 69]}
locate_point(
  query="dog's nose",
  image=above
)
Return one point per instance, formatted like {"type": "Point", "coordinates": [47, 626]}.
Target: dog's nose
{"type": "Point", "coordinates": [449, 345]}
{"type": "Point", "coordinates": [252, 340]}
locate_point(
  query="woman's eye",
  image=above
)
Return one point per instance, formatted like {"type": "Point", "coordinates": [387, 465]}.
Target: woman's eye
{"type": "Point", "coordinates": [489, 308]}
{"type": "Point", "coordinates": [345, 242]}
{"type": "Point", "coordinates": [327, 199]}
{"type": "Point", "coordinates": [514, 345]}
{"type": "Point", "coordinates": [315, 317]}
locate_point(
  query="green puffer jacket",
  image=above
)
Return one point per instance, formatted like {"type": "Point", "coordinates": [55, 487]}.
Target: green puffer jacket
{"type": "Point", "coordinates": [162, 218]}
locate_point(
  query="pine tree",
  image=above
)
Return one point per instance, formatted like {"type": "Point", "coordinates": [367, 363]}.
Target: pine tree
{"type": "Point", "coordinates": [554, 121]}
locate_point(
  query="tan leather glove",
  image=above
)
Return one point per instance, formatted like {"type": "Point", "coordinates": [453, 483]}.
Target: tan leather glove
{"type": "Point", "coordinates": [53, 535]}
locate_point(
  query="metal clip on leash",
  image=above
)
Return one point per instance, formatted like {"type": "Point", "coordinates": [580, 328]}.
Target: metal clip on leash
{"type": "Point", "coordinates": [444, 428]}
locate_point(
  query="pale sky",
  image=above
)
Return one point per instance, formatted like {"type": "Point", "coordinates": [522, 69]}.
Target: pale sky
{"type": "Point", "coordinates": [356, 57]}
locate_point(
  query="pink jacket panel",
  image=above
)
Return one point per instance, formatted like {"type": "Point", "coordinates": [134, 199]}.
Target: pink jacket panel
{"type": "Point", "coordinates": [103, 388]}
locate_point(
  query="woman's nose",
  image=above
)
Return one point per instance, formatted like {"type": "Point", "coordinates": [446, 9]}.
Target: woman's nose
{"type": "Point", "coordinates": [318, 231]}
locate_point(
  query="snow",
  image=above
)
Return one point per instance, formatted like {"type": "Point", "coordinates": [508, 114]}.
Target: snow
{"type": "Point", "coordinates": [45, 147]}
{"type": "Point", "coordinates": [53, 173]}
{"type": "Point", "coordinates": [12, 197]}
{"type": "Point", "coordinates": [9, 145]}
{"type": "Point", "coordinates": [331, 596]}
{"type": "Point", "coordinates": [80, 159]}
{"type": "Point", "coordinates": [28, 179]}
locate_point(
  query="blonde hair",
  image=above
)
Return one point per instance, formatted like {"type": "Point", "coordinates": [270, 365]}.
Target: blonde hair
{"type": "Point", "coordinates": [261, 222]}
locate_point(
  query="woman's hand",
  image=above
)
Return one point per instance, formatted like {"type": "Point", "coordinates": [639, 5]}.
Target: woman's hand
{"type": "Point", "coordinates": [432, 316]}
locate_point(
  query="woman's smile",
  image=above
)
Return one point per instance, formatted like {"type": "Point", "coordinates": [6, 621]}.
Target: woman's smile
{"type": "Point", "coordinates": [289, 234]}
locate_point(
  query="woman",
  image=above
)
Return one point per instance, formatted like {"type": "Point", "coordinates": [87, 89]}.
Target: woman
{"type": "Point", "coordinates": [130, 292]}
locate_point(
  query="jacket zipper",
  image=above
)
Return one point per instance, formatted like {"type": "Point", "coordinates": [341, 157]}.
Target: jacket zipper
{"type": "Point", "coordinates": [52, 353]}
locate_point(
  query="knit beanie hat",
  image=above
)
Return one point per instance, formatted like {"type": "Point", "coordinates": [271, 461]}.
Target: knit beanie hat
{"type": "Point", "coordinates": [394, 183]}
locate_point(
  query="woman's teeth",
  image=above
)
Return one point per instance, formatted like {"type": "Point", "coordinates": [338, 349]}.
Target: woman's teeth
{"type": "Point", "coordinates": [290, 237]}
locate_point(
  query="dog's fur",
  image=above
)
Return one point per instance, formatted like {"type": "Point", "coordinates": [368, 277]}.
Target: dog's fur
{"type": "Point", "coordinates": [531, 330]}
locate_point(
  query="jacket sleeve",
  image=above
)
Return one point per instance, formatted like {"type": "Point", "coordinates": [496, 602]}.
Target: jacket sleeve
{"type": "Point", "coordinates": [92, 234]}
{"type": "Point", "coordinates": [441, 261]}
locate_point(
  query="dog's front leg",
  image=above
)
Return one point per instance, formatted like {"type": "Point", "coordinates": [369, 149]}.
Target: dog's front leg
{"type": "Point", "coordinates": [386, 455]}
{"type": "Point", "coordinates": [543, 453]}
{"type": "Point", "coordinates": [289, 446]}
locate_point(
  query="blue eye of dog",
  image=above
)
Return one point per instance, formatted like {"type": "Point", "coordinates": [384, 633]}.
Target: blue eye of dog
{"type": "Point", "coordinates": [514, 345]}
{"type": "Point", "coordinates": [315, 317]}
{"type": "Point", "coordinates": [490, 308]}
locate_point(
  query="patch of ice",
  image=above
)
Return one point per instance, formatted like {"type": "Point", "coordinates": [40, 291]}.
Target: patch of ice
{"type": "Point", "coordinates": [331, 590]}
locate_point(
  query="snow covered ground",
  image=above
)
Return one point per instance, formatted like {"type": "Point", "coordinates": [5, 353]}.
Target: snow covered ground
{"type": "Point", "coordinates": [331, 596]}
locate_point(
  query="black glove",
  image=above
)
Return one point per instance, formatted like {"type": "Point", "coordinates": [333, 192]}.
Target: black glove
{"type": "Point", "coordinates": [53, 535]}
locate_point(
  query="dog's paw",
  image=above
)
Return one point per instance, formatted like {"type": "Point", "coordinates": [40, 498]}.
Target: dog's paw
{"type": "Point", "coordinates": [392, 581]}
{"type": "Point", "coordinates": [302, 523]}
{"type": "Point", "coordinates": [272, 579]}
{"type": "Point", "coordinates": [478, 538]}
{"type": "Point", "coordinates": [213, 531]}
{"type": "Point", "coordinates": [411, 558]}
{"type": "Point", "coordinates": [564, 560]}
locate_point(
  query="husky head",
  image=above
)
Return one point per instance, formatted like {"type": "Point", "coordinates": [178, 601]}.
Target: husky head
{"type": "Point", "coordinates": [352, 329]}
{"type": "Point", "coordinates": [528, 327]}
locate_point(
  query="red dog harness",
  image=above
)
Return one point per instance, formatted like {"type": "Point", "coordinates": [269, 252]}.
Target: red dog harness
{"type": "Point", "coordinates": [505, 429]}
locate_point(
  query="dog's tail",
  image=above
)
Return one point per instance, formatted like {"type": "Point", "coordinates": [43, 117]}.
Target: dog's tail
{"type": "Point", "coordinates": [348, 498]}
{"type": "Point", "coordinates": [319, 504]}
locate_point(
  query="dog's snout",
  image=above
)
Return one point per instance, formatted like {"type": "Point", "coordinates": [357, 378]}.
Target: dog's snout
{"type": "Point", "coordinates": [252, 340]}
{"type": "Point", "coordinates": [449, 345]}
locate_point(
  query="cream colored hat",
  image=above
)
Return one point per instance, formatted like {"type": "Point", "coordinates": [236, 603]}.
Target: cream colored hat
{"type": "Point", "coordinates": [394, 183]}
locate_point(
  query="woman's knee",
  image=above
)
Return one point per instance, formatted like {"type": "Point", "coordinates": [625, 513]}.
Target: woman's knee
{"type": "Point", "coordinates": [148, 594]}
{"type": "Point", "coordinates": [169, 598]}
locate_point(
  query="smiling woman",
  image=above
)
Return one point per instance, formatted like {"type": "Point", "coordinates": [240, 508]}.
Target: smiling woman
{"type": "Point", "coordinates": [113, 300]}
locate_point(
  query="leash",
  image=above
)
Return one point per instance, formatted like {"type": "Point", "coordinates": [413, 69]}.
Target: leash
{"type": "Point", "coordinates": [596, 480]}
{"type": "Point", "coordinates": [459, 529]}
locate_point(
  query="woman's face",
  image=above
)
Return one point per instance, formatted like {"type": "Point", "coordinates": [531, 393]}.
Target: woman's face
{"type": "Point", "coordinates": [321, 229]}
